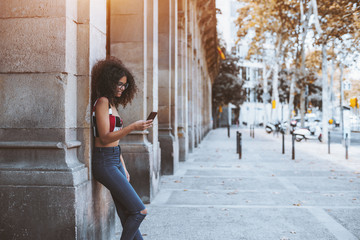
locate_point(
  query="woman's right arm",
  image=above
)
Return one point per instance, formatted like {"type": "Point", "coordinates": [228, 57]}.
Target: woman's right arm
{"type": "Point", "coordinates": [103, 124]}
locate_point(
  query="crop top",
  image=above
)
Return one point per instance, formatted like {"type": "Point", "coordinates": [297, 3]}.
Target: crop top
{"type": "Point", "coordinates": [116, 123]}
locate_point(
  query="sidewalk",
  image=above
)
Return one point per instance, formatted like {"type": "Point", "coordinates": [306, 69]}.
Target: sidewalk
{"type": "Point", "coordinates": [266, 195]}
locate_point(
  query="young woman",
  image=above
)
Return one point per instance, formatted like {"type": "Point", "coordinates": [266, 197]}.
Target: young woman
{"type": "Point", "coordinates": [112, 85]}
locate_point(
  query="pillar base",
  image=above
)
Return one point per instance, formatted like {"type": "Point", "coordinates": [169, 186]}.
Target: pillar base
{"type": "Point", "coordinates": [144, 171]}
{"type": "Point", "coordinates": [54, 200]}
{"type": "Point", "coordinates": [169, 151]}
{"type": "Point", "coordinates": [183, 144]}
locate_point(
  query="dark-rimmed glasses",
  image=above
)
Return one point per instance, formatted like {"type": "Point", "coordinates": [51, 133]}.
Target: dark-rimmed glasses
{"type": "Point", "coordinates": [120, 85]}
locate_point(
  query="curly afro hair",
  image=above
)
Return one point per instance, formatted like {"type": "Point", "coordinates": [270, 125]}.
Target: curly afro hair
{"type": "Point", "coordinates": [104, 78]}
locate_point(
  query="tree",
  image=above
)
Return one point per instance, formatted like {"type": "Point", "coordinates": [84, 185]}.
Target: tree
{"type": "Point", "coordinates": [276, 23]}
{"type": "Point", "coordinates": [285, 25]}
{"type": "Point", "coordinates": [336, 20]}
{"type": "Point", "coordinates": [228, 85]}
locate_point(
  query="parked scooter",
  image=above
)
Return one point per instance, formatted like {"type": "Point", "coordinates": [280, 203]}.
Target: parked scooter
{"type": "Point", "coordinates": [312, 133]}
{"type": "Point", "coordinates": [275, 127]}
{"type": "Point", "coordinates": [293, 126]}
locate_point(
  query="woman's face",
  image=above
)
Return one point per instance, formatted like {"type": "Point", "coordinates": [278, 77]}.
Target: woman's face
{"type": "Point", "coordinates": [121, 86]}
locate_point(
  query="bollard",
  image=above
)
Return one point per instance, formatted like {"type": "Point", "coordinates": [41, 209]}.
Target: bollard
{"type": "Point", "coordinates": [346, 146]}
{"type": "Point", "coordinates": [250, 130]}
{"type": "Point", "coordinates": [293, 146]}
{"type": "Point", "coordinates": [328, 142]}
{"type": "Point", "coordinates": [240, 147]}
{"type": "Point", "coordinates": [237, 141]}
{"type": "Point", "coordinates": [283, 142]}
{"type": "Point", "coordinates": [228, 127]}
{"type": "Point", "coordinates": [254, 131]}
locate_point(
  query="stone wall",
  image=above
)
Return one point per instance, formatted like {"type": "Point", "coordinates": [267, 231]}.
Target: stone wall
{"type": "Point", "coordinates": [47, 50]}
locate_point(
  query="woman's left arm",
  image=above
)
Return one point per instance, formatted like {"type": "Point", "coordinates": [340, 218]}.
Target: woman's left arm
{"type": "Point", "coordinates": [126, 172]}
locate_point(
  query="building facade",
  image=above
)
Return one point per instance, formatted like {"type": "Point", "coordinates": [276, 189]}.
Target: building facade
{"type": "Point", "coordinates": [47, 51]}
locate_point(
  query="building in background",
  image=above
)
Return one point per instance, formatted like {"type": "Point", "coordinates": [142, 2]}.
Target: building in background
{"type": "Point", "coordinates": [252, 71]}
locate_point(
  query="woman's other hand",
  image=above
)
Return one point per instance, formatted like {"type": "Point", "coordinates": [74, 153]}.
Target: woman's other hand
{"type": "Point", "coordinates": [142, 125]}
{"type": "Point", "coordinates": [127, 175]}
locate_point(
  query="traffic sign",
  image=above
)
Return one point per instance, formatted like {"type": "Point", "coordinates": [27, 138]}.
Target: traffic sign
{"type": "Point", "coordinates": [347, 85]}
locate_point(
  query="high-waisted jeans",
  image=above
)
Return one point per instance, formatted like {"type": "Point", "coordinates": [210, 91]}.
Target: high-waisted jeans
{"type": "Point", "coordinates": [109, 171]}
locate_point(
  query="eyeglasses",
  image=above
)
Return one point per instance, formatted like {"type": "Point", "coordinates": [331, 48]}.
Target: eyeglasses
{"type": "Point", "coordinates": [120, 85]}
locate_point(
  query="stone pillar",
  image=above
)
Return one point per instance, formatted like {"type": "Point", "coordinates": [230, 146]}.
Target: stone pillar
{"type": "Point", "coordinates": [44, 121]}
{"type": "Point", "coordinates": [183, 80]}
{"type": "Point", "coordinates": [191, 75]}
{"type": "Point", "coordinates": [196, 94]}
{"type": "Point", "coordinates": [203, 103]}
{"type": "Point", "coordinates": [174, 76]}
{"type": "Point", "coordinates": [168, 144]}
{"type": "Point", "coordinates": [134, 40]}
{"type": "Point", "coordinates": [209, 105]}
{"type": "Point", "coordinates": [98, 213]}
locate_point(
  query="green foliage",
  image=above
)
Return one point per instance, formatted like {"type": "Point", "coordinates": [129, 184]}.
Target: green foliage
{"type": "Point", "coordinates": [228, 85]}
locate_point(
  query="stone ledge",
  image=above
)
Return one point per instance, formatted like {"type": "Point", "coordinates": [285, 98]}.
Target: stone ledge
{"type": "Point", "coordinates": [73, 177]}
{"type": "Point", "coordinates": [40, 144]}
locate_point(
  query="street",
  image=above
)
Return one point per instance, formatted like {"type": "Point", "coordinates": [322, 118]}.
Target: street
{"type": "Point", "coordinates": [265, 195]}
{"type": "Point", "coordinates": [336, 137]}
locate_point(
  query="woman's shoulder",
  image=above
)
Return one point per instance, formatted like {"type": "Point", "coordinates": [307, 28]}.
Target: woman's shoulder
{"type": "Point", "coordinates": [102, 102]}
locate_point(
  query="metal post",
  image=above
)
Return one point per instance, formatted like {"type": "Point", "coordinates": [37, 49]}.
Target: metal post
{"type": "Point", "coordinates": [346, 146]}
{"type": "Point", "coordinates": [293, 146]}
{"type": "Point", "coordinates": [237, 141]}
{"type": "Point", "coordinates": [228, 127]}
{"type": "Point", "coordinates": [328, 142]}
{"type": "Point", "coordinates": [283, 142]}
{"type": "Point", "coordinates": [250, 129]}
{"type": "Point", "coordinates": [254, 131]}
{"type": "Point", "coordinates": [240, 147]}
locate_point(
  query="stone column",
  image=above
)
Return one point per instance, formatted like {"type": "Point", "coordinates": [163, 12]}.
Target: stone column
{"type": "Point", "coordinates": [196, 94]}
{"type": "Point", "coordinates": [98, 214]}
{"type": "Point", "coordinates": [209, 106]}
{"type": "Point", "coordinates": [191, 75]}
{"type": "Point", "coordinates": [44, 121]}
{"type": "Point", "coordinates": [168, 144]}
{"type": "Point", "coordinates": [134, 40]}
{"type": "Point", "coordinates": [183, 81]}
{"type": "Point", "coordinates": [174, 76]}
{"type": "Point", "coordinates": [203, 103]}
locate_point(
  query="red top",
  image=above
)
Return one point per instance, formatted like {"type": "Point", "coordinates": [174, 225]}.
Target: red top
{"type": "Point", "coordinates": [116, 123]}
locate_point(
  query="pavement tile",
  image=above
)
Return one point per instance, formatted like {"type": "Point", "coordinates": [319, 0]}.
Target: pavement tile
{"type": "Point", "coordinates": [203, 223]}
{"type": "Point", "coordinates": [265, 195]}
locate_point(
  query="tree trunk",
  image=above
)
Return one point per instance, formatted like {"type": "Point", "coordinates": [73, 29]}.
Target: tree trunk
{"type": "Point", "coordinates": [291, 100]}
{"type": "Point", "coordinates": [275, 83]}
{"type": "Point", "coordinates": [305, 27]}
{"type": "Point", "coordinates": [265, 93]}
{"type": "Point", "coordinates": [302, 106]}
{"type": "Point", "coordinates": [331, 97]}
{"type": "Point", "coordinates": [341, 99]}
{"type": "Point", "coordinates": [325, 98]}
{"type": "Point", "coordinates": [275, 92]}
{"type": "Point", "coordinates": [316, 18]}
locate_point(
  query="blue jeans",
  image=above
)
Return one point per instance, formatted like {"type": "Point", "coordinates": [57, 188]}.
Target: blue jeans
{"type": "Point", "coordinates": [108, 170]}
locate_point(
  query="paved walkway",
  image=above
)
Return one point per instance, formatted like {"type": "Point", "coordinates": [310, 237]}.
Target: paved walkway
{"type": "Point", "coordinates": [266, 195]}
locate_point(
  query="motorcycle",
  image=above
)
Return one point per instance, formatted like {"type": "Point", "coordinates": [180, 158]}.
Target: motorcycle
{"type": "Point", "coordinates": [311, 133]}
{"type": "Point", "coordinates": [293, 126]}
{"type": "Point", "coordinates": [275, 127]}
